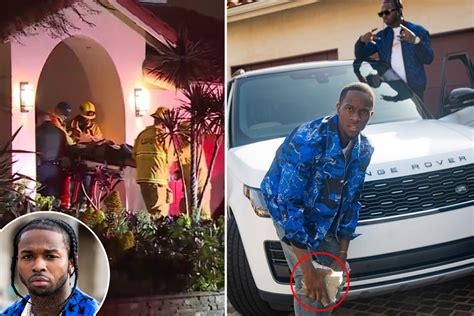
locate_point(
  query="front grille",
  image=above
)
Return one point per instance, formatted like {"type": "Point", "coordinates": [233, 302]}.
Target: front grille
{"type": "Point", "coordinates": [383, 265]}
{"type": "Point", "coordinates": [277, 261]}
{"type": "Point", "coordinates": [415, 193]}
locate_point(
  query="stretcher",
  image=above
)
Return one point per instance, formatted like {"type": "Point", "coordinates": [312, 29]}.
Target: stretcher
{"type": "Point", "coordinates": [95, 171]}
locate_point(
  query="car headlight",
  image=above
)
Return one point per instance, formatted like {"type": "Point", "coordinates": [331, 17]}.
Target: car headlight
{"type": "Point", "coordinates": [256, 199]}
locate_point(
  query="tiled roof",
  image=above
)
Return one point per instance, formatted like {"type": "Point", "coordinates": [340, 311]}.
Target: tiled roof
{"type": "Point", "coordinates": [148, 19]}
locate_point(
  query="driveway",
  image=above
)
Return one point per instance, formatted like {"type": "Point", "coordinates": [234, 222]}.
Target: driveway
{"type": "Point", "coordinates": [453, 298]}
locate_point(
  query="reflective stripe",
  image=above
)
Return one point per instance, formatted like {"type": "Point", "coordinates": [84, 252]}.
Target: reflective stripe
{"type": "Point", "coordinates": [160, 154]}
{"type": "Point", "coordinates": [156, 181]}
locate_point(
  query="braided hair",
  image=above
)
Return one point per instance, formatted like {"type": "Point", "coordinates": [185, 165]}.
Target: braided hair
{"type": "Point", "coordinates": [50, 224]}
{"type": "Point", "coordinates": [398, 4]}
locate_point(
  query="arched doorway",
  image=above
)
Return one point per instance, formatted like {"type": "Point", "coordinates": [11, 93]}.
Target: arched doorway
{"type": "Point", "coordinates": [79, 69]}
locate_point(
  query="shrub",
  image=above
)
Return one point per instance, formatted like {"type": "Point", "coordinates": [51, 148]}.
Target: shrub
{"type": "Point", "coordinates": [161, 255]}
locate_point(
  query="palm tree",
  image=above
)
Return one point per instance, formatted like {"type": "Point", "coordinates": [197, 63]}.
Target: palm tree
{"type": "Point", "coordinates": [215, 127]}
{"type": "Point", "coordinates": [205, 104]}
{"type": "Point", "coordinates": [179, 138]}
{"type": "Point", "coordinates": [179, 63]}
{"type": "Point", "coordinates": [184, 64]}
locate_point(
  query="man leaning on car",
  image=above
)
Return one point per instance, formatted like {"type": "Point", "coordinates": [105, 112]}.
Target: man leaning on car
{"type": "Point", "coordinates": [313, 186]}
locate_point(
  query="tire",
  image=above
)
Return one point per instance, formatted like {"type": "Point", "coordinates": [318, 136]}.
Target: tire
{"type": "Point", "coordinates": [241, 289]}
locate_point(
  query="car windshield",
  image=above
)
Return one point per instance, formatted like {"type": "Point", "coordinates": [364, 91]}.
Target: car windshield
{"type": "Point", "coordinates": [271, 105]}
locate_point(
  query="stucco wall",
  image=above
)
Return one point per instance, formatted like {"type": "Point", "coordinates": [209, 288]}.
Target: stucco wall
{"type": "Point", "coordinates": [102, 64]}
{"type": "Point", "coordinates": [331, 24]}
{"type": "Point", "coordinates": [57, 85]}
{"type": "Point", "coordinates": [5, 95]}
{"type": "Point", "coordinates": [126, 49]}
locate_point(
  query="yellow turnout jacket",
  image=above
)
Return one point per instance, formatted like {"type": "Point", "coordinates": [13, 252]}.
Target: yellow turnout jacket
{"type": "Point", "coordinates": [153, 155]}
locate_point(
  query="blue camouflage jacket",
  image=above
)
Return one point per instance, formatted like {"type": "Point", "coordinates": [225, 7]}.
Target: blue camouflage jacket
{"type": "Point", "coordinates": [309, 182]}
{"type": "Point", "coordinates": [79, 304]}
{"type": "Point", "coordinates": [414, 56]}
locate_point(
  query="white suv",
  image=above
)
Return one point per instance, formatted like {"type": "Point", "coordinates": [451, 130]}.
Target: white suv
{"type": "Point", "coordinates": [417, 216]}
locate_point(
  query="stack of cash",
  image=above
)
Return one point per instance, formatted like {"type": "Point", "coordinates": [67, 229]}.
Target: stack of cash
{"type": "Point", "coordinates": [332, 280]}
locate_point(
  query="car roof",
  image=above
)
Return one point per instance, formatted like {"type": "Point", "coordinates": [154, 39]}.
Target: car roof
{"type": "Point", "coordinates": [291, 67]}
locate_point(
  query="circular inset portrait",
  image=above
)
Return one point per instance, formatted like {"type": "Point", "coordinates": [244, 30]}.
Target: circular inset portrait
{"type": "Point", "coordinates": [52, 264]}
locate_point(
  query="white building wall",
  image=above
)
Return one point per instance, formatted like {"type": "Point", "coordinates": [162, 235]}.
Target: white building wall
{"type": "Point", "coordinates": [331, 24]}
{"type": "Point", "coordinates": [126, 48]}
{"type": "Point", "coordinates": [124, 43]}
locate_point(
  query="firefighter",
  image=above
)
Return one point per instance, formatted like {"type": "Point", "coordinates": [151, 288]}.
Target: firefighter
{"type": "Point", "coordinates": [153, 154]}
{"type": "Point", "coordinates": [83, 127]}
{"type": "Point", "coordinates": [185, 160]}
{"type": "Point", "coordinates": [52, 142]}
{"type": "Point", "coordinates": [58, 118]}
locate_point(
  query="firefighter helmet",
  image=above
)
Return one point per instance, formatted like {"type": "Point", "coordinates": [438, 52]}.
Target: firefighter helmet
{"type": "Point", "coordinates": [160, 113]}
{"type": "Point", "coordinates": [88, 110]}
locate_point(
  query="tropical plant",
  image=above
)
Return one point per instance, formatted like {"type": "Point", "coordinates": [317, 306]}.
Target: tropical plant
{"type": "Point", "coordinates": [15, 197]}
{"type": "Point", "coordinates": [205, 103]}
{"type": "Point", "coordinates": [187, 66]}
{"type": "Point", "coordinates": [45, 203]}
{"type": "Point", "coordinates": [214, 126]}
{"type": "Point", "coordinates": [173, 253]}
{"type": "Point", "coordinates": [209, 262]}
{"type": "Point", "coordinates": [180, 63]}
{"type": "Point", "coordinates": [179, 138]}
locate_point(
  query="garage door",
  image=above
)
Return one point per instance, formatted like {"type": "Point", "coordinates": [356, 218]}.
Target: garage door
{"type": "Point", "coordinates": [443, 44]}
{"type": "Point", "coordinates": [326, 55]}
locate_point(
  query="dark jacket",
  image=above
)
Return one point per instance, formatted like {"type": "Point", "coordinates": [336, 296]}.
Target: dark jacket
{"type": "Point", "coordinates": [414, 56]}
{"type": "Point", "coordinates": [51, 142]}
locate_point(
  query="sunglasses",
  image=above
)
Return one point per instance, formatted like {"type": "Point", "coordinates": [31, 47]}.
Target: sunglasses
{"type": "Point", "coordinates": [90, 113]}
{"type": "Point", "coordinates": [386, 12]}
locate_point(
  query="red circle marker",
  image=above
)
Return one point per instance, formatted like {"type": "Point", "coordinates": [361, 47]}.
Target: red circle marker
{"type": "Point", "coordinates": [343, 267]}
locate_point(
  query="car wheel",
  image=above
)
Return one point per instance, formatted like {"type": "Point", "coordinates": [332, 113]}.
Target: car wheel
{"type": "Point", "coordinates": [241, 289]}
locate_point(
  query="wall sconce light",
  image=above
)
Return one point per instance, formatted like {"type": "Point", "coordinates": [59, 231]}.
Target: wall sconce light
{"type": "Point", "coordinates": [141, 104]}
{"type": "Point", "coordinates": [26, 96]}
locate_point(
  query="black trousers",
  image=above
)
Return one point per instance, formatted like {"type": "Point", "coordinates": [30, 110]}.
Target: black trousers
{"type": "Point", "coordinates": [51, 179]}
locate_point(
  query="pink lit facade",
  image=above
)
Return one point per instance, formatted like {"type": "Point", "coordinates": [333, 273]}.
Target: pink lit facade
{"type": "Point", "coordinates": [102, 64]}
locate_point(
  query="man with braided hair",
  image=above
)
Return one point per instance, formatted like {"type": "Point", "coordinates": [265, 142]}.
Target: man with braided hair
{"type": "Point", "coordinates": [45, 256]}
{"type": "Point", "coordinates": [403, 45]}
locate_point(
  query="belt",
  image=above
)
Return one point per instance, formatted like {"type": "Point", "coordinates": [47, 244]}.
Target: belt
{"type": "Point", "coordinates": [50, 162]}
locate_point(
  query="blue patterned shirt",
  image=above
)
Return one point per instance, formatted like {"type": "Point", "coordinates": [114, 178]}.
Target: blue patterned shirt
{"type": "Point", "coordinates": [79, 304]}
{"type": "Point", "coordinates": [309, 183]}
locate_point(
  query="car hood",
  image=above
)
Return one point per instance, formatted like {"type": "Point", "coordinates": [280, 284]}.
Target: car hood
{"type": "Point", "coordinates": [464, 116]}
{"type": "Point", "coordinates": [401, 148]}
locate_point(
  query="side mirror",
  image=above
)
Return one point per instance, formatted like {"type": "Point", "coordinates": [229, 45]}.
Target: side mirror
{"type": "Point", "coordinates": [460, 98]}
